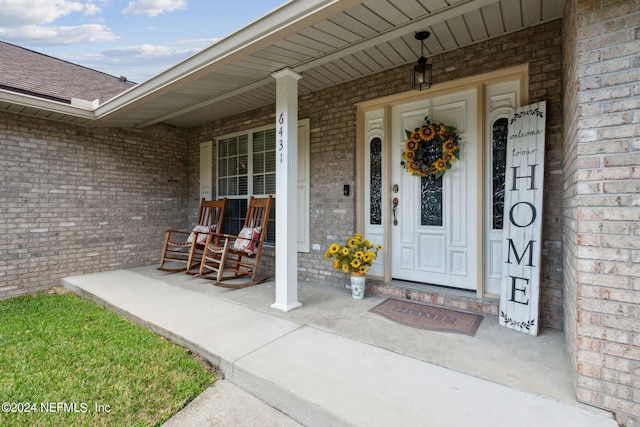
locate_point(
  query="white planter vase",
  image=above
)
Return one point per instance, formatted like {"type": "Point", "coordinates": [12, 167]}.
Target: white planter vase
{"type": "Point", "coordinates": [357, 285]}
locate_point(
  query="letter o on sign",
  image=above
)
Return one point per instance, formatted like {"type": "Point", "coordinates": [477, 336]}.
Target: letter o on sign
{"type": "Point", "coordinates": [519, 213]}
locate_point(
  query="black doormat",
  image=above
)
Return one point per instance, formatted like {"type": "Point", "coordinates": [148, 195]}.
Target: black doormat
{"type": "Point", "coordinates": [424, 316]}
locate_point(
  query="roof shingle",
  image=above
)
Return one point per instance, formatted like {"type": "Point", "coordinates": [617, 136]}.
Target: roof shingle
{"type": "Point", "coordinates": [29, 72]}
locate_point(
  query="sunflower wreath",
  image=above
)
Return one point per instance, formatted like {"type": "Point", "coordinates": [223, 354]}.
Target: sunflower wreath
{"type": "Point", "coordinates": [430, 149]}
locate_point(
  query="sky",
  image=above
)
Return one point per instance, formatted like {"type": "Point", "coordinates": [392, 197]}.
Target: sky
{"type": "Point", "coordinates": [133, 38]}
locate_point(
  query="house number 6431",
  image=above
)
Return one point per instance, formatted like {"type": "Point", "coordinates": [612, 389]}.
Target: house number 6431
{"type": "Point", "coordinates": [280, 132]}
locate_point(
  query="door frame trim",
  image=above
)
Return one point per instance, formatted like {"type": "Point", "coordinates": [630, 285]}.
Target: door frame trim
{"type": "Point", "coordinates": [520, 72]}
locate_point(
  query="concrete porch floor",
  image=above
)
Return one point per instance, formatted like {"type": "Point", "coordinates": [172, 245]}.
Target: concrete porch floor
{"type": "Point", "coordinates": [532, 365]}
{"type": "Point", "coordinates": [535, 364]}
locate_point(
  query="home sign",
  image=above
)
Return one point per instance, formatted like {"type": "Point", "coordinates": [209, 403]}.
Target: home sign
{"type": "Point", "coordinates": [522, 231]}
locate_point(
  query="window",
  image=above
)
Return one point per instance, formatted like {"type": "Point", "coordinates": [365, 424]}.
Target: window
{"type": "Point", "coordinates": [264, 162]}
{"type": "Point", "coordinates": [499, 136]}
{"type": "Point", "coordinates": [375, 181]}
{"type": "Point", "coordinates": [233, 166]}
{"type": "Point", "coordinates": [246, 167]}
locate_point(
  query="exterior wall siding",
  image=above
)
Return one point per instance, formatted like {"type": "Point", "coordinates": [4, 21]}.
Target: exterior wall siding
{"type": "Point", "coordinates": [76, 200]}
{"type": "Point", "coordinates": [602, 206]}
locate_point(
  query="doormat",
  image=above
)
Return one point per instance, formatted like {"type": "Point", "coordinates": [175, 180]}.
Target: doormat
{"type": "Point", "coordinates": [423, 316]}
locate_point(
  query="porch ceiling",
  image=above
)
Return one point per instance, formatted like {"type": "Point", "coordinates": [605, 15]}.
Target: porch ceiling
{"type": "Point", "coordinates": [328, 42]}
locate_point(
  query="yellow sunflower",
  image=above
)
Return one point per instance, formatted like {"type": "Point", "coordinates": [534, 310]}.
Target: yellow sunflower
{"type": "Point", "coordinates": [427, 133]}
{"type": "Point", "coordinates": [450, 146]}
{"type": "Point", "coordinates": [440, 165]}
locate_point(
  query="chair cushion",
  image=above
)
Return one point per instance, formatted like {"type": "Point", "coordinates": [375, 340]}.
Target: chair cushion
{"type": "Point", "coordinates": [199, 230]}
{"type": "Point", "coordinates": [247, 240]}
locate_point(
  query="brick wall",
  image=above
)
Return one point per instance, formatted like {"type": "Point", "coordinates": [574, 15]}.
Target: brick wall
{"type": "Point", "coordinates": [602, 206]}
{"type": "Point", "coordinates": [75, 200]}
{"type": "Point", "coordinates": [333, 144]}
{"type": "Point", "coordinates": [569, 178]}
{"type": "Point", "coordinates": [109, 181]}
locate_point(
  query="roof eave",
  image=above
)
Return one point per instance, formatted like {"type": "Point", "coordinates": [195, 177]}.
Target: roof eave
{"type": "Point", "coordinates": [50, 106]}
{"type": "Point", "coordinates": [288, 18]}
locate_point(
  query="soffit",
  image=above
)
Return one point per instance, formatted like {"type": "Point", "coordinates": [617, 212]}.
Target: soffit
{"type": "Point", "coordinates": [327, 42]}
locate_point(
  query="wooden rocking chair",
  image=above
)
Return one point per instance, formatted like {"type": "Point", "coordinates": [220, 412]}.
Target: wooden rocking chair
{"type": "Point", "coordinates": [228, 257]}
{"type": "Point", "coordinates": [186, 247]}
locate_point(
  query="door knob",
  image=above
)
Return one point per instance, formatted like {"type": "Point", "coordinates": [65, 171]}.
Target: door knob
{"type": "Point", "coordinates": [395, 206]}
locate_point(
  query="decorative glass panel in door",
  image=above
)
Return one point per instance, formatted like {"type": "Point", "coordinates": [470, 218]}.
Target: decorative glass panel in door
{"type": "Point", "coordinates": [374, 194]}
{"type": "Point", "coordinates": [500, 100]}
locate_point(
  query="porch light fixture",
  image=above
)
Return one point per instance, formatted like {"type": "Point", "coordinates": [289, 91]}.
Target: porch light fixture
{"type": "Point", "coordinates": [422, 70]}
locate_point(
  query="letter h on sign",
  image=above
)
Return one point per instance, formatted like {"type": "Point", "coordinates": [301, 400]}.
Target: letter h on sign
{"type": "Point", "coordinates": [532, 177]}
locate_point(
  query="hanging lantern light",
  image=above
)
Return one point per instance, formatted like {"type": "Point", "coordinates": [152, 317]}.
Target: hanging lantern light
{"type": "Point", "coordinates": [422, 71]}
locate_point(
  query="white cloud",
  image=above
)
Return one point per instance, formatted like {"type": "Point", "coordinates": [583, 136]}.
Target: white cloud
{"type": "Point", "coordinates": [91, 9]}
{"type": "Point", "coordinates": [140, 62]}
{"type": "Point", "coordinates": [25, 22]}
{"type": "Point", "coordinates": [49, 36]}
{"type": "Point", "coordinates": [17, 13]}
{"type": "Point", "coordinates": [153, 7]}
{"type": "Point", "coordinates": [147, 51]}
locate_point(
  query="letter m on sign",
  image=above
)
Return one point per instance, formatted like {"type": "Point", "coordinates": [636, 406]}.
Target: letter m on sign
{"type": "Point", "coordinates": [522, 230]}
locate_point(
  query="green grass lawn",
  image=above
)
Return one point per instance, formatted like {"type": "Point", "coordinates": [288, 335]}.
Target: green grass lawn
{"type": "Point", "coordinates": [65, 361]}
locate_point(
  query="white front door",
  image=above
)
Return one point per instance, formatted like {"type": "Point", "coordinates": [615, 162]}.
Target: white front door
{"type": "Point", "coordinates": [435, 224]}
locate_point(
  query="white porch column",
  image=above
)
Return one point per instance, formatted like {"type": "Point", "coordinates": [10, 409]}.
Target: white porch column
{"type": "Point", "coordinates": [286, 189]}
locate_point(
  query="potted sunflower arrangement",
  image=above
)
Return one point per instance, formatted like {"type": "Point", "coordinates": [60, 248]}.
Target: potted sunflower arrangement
{"type": "Point", "coordinates": [354, 258]}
